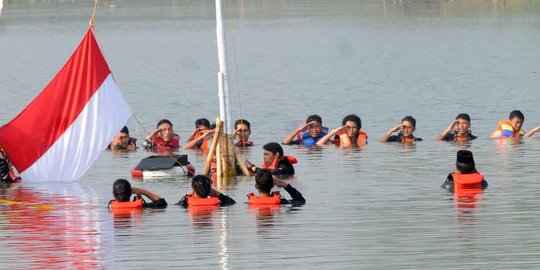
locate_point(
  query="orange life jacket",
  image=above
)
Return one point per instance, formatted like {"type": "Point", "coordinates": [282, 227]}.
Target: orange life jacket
{"type": "Point", "coordinates": [461, 139]}
{"type": "Point", "coordinates": [345, 140]}
{"type": "Point", "coordinates": [204, 142]}
{"type": "Point", "coordinates": [413, 139]}
{"type": "Point", "coordinates": [505, 130]}
{"type": "Point", "coordinates": [274, 166]}
{"type": "Point", "coordinates": [467, 189]}
{"type": "Point", "coordinates": [194, 201]}
{"type": "Point", "coordinates": [202, 210]}
{"type": "Point", "coordinates": [467, 181]}
{"type": "Point", "coordinates": [116, 205]}
{"type": "Point", "coordinates": [275, 199]}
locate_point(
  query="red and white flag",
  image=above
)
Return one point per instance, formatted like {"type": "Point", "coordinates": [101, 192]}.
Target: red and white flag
{"type": "Point", "coordinates": [60, 134]}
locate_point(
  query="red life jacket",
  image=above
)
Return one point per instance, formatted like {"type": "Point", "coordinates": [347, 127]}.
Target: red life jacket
{"type": "Point", "coordinates": [116, 205]}
{"type": "Point", "coordinates": [467, 181]}
{"type": "Point", "coordinates": [274, 166]}
{"type": "Point", "coordinates": [159, 144]}
{"type": "Point", "coordinates": [275, 199]}
{"type": "Point", "coordinates": [194, 201]}
{"type": "Point", "coordinates": [345, 140]}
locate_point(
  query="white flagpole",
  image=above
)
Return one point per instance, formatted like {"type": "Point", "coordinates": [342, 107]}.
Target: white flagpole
{"type": "Point", "coordinates": [223, 80]}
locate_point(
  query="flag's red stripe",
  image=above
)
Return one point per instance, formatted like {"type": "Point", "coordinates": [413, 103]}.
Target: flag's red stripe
{"type": "Point", "coordinates": [29, 135]}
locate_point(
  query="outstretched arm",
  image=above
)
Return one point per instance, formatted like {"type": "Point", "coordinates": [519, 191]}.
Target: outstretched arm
{"type": "Point", "coordinates": [448, 183]}
{"type": "Point", "coordinates": [450, 128]}
{"type": "Point", "coordinates": [157, 202]}
{"type": "Point", "coordinates": [532, 131]}
{"type": "Point", "coordinates": [330, 134]}
{"type": "Point", "coordinates": [115, 142]}
{"type": "Point", "coordinates": [224, 199]}
{"type": "Point", "coordinates": [152, 135]}
{"type": "Point", "coordinates": [139, 191]}
{"type": "Point", "coordinates": [193, 143]}
{"type": "Point", "coordinates": [297, 198]}
{"type": "Point", "coordinates": [192, 135]}
{"type": "Point", "coordinates": [252, 168]}
{"type": "Point", "coordinates": [147, 143]}
{"type": "Point", "coordinates": [291, 136]}
{"type": "Point", "coordinates": [390, 132]}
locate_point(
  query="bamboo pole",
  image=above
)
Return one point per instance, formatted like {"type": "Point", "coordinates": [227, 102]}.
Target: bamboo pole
{"type": "Point", "coordinates": [219, 165]}
{"type": "Point", "coordinates": [241, 163]}
{"type": "Point", "coordinates": [225, 162]}
{"type": "Point", "coordinates": [225, 153]}
{"type": "Point", "coordinates": [231, 155]}
{"type": "Point", "coordinates": [213, 146]}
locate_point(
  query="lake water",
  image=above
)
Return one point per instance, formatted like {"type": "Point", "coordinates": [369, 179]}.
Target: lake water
{"type": "Point", "coordinates": [379, 207]}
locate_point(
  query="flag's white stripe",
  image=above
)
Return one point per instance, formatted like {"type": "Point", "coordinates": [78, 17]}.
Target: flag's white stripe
{"type": "Point", "coordinates": [82, 143]}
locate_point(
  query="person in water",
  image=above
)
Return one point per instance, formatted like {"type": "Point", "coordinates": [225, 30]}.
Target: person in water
{"type": "Point", "coordinates": [202, 194]}
{"type": "Point", "coordinates": [510, 128]}
{"type": "Point", "coordinates": [349, 134]}
{"type": "Point", "coordinates": [466, 175]}
{"type": "Point", "coordinates": [242, 132]}
{"type": "Point", "coordinates": [122, 191]}
{"type": "Point", "coordinates": [6, 170]}
{"type": "Point", "coordinates": [274, 160]}
{"type": "Point", "coordinates": [458, 130]}
{"type": "Point", "coordinates": [264, 182]}
{"type": "Point", "coordinates": [308, 134]}
{"type": "Point", "coordinates": [406, 129]}
{"type": "Point", "coordinates": [199, 138]}
{"type": "Point", "coordinates": [163, 138]}
{"type": "Point", "coordinates": [123, 141]}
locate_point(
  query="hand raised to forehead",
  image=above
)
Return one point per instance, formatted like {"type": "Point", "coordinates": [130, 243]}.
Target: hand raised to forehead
{"type": "Point", "coordinates": [397, 128]}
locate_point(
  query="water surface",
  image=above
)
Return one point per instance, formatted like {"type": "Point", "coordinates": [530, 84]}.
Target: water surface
{"type": "Point", "coordinates": [379, 207]}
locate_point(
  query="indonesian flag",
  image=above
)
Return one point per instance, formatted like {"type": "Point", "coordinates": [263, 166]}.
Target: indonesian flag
{"type": "Point", "coordinates": [60, 134]}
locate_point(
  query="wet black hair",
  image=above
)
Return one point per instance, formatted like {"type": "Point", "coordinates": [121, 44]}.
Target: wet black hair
{"type": "Point", "coordinates": [274, 147]}
{"type": "Point", "coordinates": [242, 121]}
{"type": "Point", "coordinates": [353, 118]}
{"type": "Point", "coordinates": [314, 117]}
{"type": "Point", "coordinates": [464, 116]}
{"type": "Point", "coordinates": [465, 168]}
{"type": "Point", "coordinates": [122, 190]}
{"type": "Point", "coordinates": [125, 130]}
{"type": "Point", "coordinates": [410, 119]}
{"type": "Point", "coordinates": [264, 181]}
{"type": "Point", "coordinates": [201, 184]}
{"type": "Point", "coordinates": [203, 122]}
{"type": "Point", "coordinates": [465, 161]}
{"type": "Point", "coordinates": [518, 114]}
{"type": "Point", "coordinates": [164, 121]}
